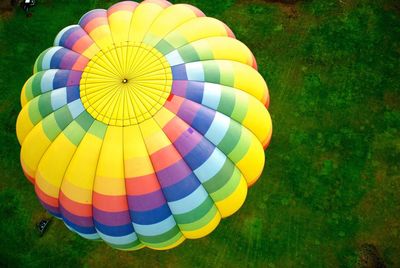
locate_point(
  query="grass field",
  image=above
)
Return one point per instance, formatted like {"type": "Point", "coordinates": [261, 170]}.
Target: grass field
{"type": "Point", "coordinates": [331, 183]}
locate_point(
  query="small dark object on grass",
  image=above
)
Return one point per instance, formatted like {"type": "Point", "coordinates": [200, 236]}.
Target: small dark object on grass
{"type": "Point", "coordinates": [43, 225]}
{"type": "Point", "coordinates": [26, 4]}
{"type": "Point", "coordinates": [369, 257]}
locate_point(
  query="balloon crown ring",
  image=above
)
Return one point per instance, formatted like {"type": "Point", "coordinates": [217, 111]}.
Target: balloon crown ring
{"type": "Point", "coordinates": [144, 125]}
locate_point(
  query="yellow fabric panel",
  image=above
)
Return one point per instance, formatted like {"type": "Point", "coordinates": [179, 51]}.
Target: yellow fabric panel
{"type": "Point", "coordinates": [232, 203]}
{"type": "Point", "coordinates": [163, 116]}
{"type": "Point", "coordinates": [24, 124]}
{"type": "Point", "coordinates": [119, 23]}
{"type": "Point", "coordinates": [91, 51]}
{"type": "Point", "coordinates": [195, 29]}
{"type": "Point", "coordinates": [205, 230]}
{"type": "Point", "coordinates": [46, 186]}
{"type": "Point", "coordinates": [257, 118]}
{"type": "Point", "coordinates": [105, 62]}
{"type": "Point", "coordinates": [137, 161]}
{"type": "Point", "coordinates": [118, 110]}
{"type": "Point", "coordinates": [23, 98]}
{"type": "Point", "coordinates": [224, 48]}
{"type": "Point", "coordinates": [110, 168]}
{"type": "Point", "coordinates": [138, 107]}
{"type": "Point", "coordinates": [252, 163]}
{"type": "Point", "coordinates": [79, 177]}
{"type": "Point", "coordinates": [243, 74]}
{"type": "Point", "coordinates": [167, 21]}
{"type": "Point", "coordinates": [102, 36]}
{"type": "Point", "coordinates": [53, 164]}
{"type": "Point", "coordinates": [262, 126]}
{"type": "Point", "coordinates": [142, 18]}
{"type": "Point", "coordinates": [75, 193]}
{"type": "Point", "coordinates": [33, 147]}
{"type": "Point", "coordinates": [154, 137]}
{"type": "Point", "coordinates": [146, 101]}
{"type": "Point", "coordinates": [129, 110]}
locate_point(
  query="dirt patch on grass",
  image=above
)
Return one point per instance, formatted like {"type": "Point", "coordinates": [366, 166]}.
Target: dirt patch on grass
{"type": "Point", "coordinates": [6, 10]}
{"type": "Point", "coordinates": [392, 99]}
{"type": "Point", "coordinates": [369, 257]}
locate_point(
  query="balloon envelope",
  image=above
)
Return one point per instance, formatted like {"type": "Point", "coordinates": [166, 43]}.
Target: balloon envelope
{"type": "Point", "coordinates": [144, 124]}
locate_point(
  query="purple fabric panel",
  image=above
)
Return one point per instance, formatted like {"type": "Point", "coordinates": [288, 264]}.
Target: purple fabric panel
{"type": "Point", "coordinates": [188, 111]}
{"type": "Point", "coordinates": [75, 36]}
{"type": "Point", "coordinates": [147, 201]}
{"type": "Point", "coordinates": [92, 15]}
{"type": "Point", "coordinates": [68, 60]}
{"type": "Point", "coordinates": [173, 174]}
{"type": "Point", "coordinates": [187, 141]}
{"type": "Point", "coordinates": [111, 218]}
{"type": "Point", "coordinates": [74, 78]}
{"type": "Point", "coordinates": [179, 87]}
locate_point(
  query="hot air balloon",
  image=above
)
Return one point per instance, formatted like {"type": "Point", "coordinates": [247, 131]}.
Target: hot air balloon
{"type": "Point", "coordinates": [144, 125]}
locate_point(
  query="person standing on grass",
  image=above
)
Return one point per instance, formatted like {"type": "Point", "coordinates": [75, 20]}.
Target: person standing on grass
{"type": "Point", "coordinates": [25, 5]}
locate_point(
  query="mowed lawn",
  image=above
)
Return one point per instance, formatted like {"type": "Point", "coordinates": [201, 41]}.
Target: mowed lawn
{"type": "Point", "coordinates": [331, 183]}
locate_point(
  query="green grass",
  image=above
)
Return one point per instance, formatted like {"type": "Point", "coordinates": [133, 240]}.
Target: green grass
{"type": "Point", "coordinates": [331, 181]}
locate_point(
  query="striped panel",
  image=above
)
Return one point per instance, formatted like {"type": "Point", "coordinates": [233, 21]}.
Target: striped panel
{"type": "Point", "coordinates": [168, 20]}
{"type": "Point", "coordinates": [192, 30]}
{"type": "Point", "coordinates": [95, 23]}
{"type": "Point", "coordinates": [231, 138]}
{"type": "Point", "coordinates": [236, 104]}
{"type": "Point", "coordinates": [215, 48]}
{"type": "Point", "coordinates": [230, 73]}
{"type": "Point", "coordinates": [75, 38]}
{"type": "Point", "coordinates": [119, 18]}
{"type": "Point", "coordinates": [143, 17]}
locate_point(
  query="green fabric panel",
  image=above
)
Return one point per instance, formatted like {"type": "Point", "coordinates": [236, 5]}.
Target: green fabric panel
{"type": "Point", "coordinates": [204, 52]}
{"type": "Point", "coordinates": [188, 53]}
{"type": "Point", "coordinates": [33, 109]}
{"type": "Point", "coordinates": [85, 120]}
{"type": "Point", "coordinates": [211, 72]}
{"type": "Point", "coordinates": [45, 104]}
{"type": "Point", "coordinates": [28, 89]}
{"type": "Point", "coordinates": [37, 67]}
{"type": "Point", "coordinates": [176, 40]}
{"type": "Point", "coordinates": [63, 117]}
{"type": "Point", "coordinates": [163, 244]}
{"type": "Point", "coordinates": [227, 77]}
{"type": "Point", "coordinates": [50, 127]}
{"type": "Point", "coordinates": [221, 178]}
{"type": "Point", "coordinates": [210, 214]}
{"type": "Point", "coordinates": [164, 47]}
{"type": "Point", "coordinates": [36, 84]}
{"type": "Point", "coordinates": [241, 147]}
{"type": "Point", "coordinates": [227, 102]}
{"type": "Point", "coordinates": [74, 132]}
{"type": "Point", "coordinates": [131, 246]}
{"type": "Point", "coordinates": [98, 129]}
{"type": "Point", "coordinates": [194, 214]}
{"type": "Point", "coordinates": [228, 188]}
{"type": "Point", "coordinates": [162, 238]}
{"type": "Point", "coordinates": [240, 108]}
{"type": "Point", "coordinates": [231, 137]}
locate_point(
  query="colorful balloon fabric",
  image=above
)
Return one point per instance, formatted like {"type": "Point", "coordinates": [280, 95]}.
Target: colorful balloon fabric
{"type": "Point", "coordinates": [144, 124]}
